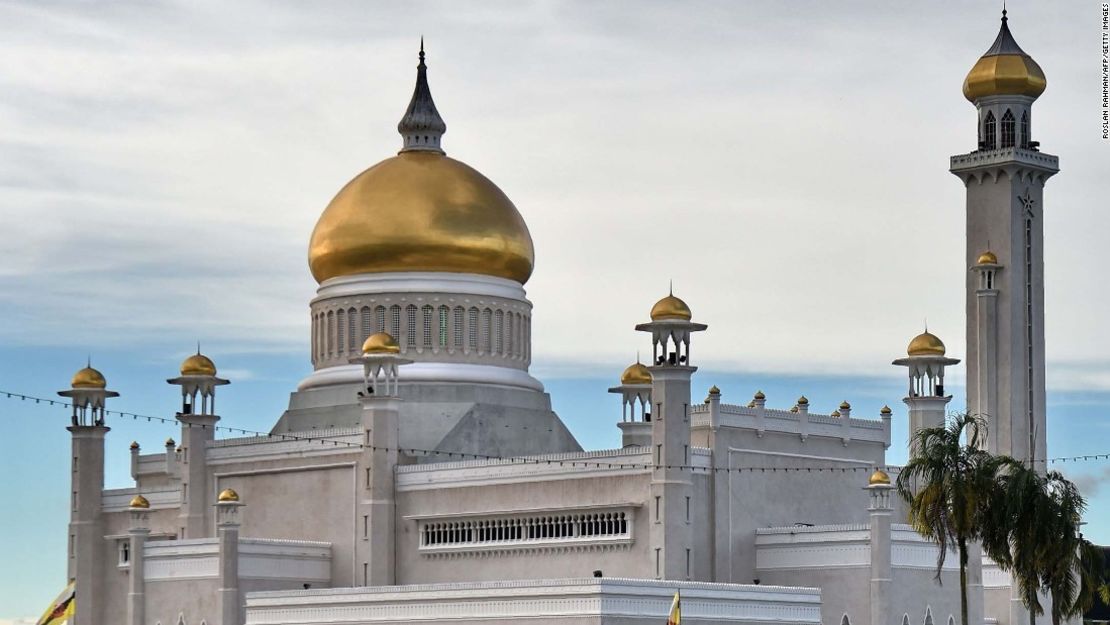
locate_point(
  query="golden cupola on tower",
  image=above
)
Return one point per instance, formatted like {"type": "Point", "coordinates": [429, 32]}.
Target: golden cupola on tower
{"type": "Point", "coordinates": [1004, 69]}
{"type": "Point", "coordinates": [421, 211]}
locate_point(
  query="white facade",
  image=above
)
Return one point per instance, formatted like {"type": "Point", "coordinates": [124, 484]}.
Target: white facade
{"type": "Point", "coordinates": [383, 523]}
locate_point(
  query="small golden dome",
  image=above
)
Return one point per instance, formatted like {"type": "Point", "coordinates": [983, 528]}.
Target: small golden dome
{"type": "Point", "coordinates": [713, 390]}
{"type": "Point", "coordinates": [134, 445]}
{"type": "Point", "coordinates": [380, 343]}
{"type": "Point", "coordinates": [636, 373]}
{"type": "Point", "coordinates": [834, 413]}
{"type": "Point", "coordinates": [670, 307]}
{"type": "Point", "coordinates": [169, 442]}
{"type": "Point", "coordinates": [885, 410]}
{"type": "Point", "coordinates": [987, 258]}
{"type": "Point", "coordinates": [802, 401]}
{"type": "Point", "coordinates": [138, 501]}
{"type": "Point", "coordinates": [926, 344]}
{"type": "Point", "coordinates": [794, 409]}
{"type": "Point", "coordinates": [844, 405]}
{"type": "Point", "coordinates": [1005, 69]}
{"type": "Point", "coordinates": [759, 395]}
{"type": "Point", "coordinates": [88, 378]}
{"type": "Point", "coordinates": [879, 477]}
{"type": "Point", "coordinates": [198, 364]}
{"type": "Point", "coordinates": [421, 211]}
{"type": "Point", "coordinates": [227, 495]}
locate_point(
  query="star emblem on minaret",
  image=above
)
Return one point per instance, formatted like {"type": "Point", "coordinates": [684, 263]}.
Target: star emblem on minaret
{"type": "Point", "coordinates": [1027, 202]}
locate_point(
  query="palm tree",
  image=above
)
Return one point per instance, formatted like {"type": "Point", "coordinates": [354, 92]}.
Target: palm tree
{"type": "Point", "coordinates": [950, 484]}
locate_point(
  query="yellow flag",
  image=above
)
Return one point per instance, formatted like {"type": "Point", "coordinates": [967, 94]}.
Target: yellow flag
{"type": "Point", "coordinates": [675, 617]}
{"type": "Point", "coordinates": [61, 610]}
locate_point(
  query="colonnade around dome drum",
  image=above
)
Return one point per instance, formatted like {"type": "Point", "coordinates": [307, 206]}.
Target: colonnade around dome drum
{"type": "Point", "coordinates": [433, 328]}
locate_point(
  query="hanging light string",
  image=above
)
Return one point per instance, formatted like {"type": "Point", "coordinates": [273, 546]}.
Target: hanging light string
{"type": "Point", "coordinates": [596, 464]}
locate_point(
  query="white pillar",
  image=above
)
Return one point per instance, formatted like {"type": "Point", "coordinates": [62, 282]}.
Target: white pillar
{"type": "Point", "coordinates": [377, 503]}
{"type": "Point", "coordinates": [881, 508]}
{"type": "Point", "coordinates": [227, 529]}
{"type": "Point", "coordinates": [196, 432]}
{"type": "Point", "coordinates": [86, 526]}
{"type": "Point", "coordinates": [136, 585]}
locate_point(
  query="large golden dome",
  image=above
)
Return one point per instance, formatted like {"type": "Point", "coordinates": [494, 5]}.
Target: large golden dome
{"type": "Point", "coordinates": [88, 378]}
{"type": "Point", "coordinates": [1005, 69]}
{"type": "Point", "coordinates": [926, 344]}
{"type": "Point", "coordinates": [198, 364]}
{"type": "Point", "coordinates": [421, 211]}
{"type": "Point", "coordinates": [636, 373]}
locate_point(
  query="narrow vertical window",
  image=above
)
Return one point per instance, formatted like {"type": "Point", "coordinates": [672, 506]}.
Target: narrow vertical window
{"type": "Point", "coordinates": [472, 329]}
{"type": "Point", "coordinates": [366, 320]}
{"type": "Point", "coordinates": [410, 334]}
{"type": "Point", "coordinates": [331, 333]}
{"type": "Point", "coordinates": [395, 321]}
{"type": "Point", "coordinates": [459, 325]}
{"type": "Point", "coordinates": [379, 318]}
{"type": "Point", "coordinates": [443, 315]}
{"type": "Point", "coordinates": [352, 332]}
{"type": "Point", "coordinates": [341, 331]}
{"type": "Point", "coordinates": [498, 332]}
{"type": "Point", "coordinates": [989, 131]}
{"type": "Point", "coordinates": [426, 318]}
{"type": "Point", "coordinates": [658, 562]}
{"type": "Point", "coordinates": [1007, 129]}
{"type": "Point", "coordinates": [1025, 129]}
{"type": "Point", "coordinates": [485, 336]}
{"type": "Point", "coordinates": [658, 508]}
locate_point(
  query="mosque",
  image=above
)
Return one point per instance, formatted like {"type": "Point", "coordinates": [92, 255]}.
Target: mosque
{"type": "Point", "coordinates": [420, 475]}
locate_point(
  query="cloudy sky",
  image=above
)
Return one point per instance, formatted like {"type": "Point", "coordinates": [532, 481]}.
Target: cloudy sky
{"type": "Point", "coordinates": [162, 165]}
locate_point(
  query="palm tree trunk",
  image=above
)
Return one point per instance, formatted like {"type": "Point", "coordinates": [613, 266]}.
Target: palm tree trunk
{"type": "Point", "coordinates": [961, 543]}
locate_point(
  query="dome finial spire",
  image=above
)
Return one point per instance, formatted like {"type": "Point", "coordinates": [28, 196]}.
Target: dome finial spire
{"type": "Point", "coordinates": [421, 127]}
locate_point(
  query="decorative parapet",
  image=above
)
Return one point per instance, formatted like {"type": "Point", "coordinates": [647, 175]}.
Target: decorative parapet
{"type": "Point", "coordinates": [541, 600]}
{"type": "Point", "coordinates": [842, 546]}
{"type": "Point", "coordinates": [1014, 162]}
{"type": "Point", "coordinates": [571, 465]}
{"type": "Point", "coordinates": [119, 499]}
{"type": "Point", "coordinates": [259, 559]}
{"type": "Point", "coordinates": [804, 424]}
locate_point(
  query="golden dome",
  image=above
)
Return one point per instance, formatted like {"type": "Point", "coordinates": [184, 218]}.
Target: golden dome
{"type": "Point", "coordinates": [844, 405]}
{"type": "Point", "coordinates": [169, 442]}
{"type": "Point", "coordinates": [713, 390]}
{"type": "Point", "coordinates": [670, 307]}
{"type": "Point", "coordinates": [926, 344]}
{"type": "Point", "coordinates": [834, 413]}
{"type": "Point", "coordinates": [886, 410]}
{"type": "Point", "coordinates": [1005, 69]}
{"type": "Point", "coordinates": [88, 378]}
{"type": "Point", "coordinates": [138, 501]}
{"type": "Point", "coordinates": [134, 445]}
{"type": "Point", "coordinates": [421, 211]}
{"type": "Point", "coordinates": [636, 373]}
{"type": "Point", "coordinates": [198, 364]}
{"type": "Point", "coordinates": [227, 495]}
{"type": "Point", "coordinates": [987, 258]}
{"type": "Point", "coordinates": [380, 343]}
{"type": "Point", "coordinates": [802, 401]}
{"type": "Point", "coordinates": [879, 477]}
{"type": "Point", "coordinates": [759, 395]}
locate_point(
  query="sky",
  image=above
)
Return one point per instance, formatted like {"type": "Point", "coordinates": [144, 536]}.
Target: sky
{"type": "Point", "coordinates": [784, 164]}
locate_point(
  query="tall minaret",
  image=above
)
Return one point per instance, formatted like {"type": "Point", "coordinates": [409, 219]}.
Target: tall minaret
{"type": "Point", "coordinates": [671, 537]}
{"type": "Point", "coordinates": [1005, 179]}
{"type": "Point", "coordinates": [86, 522]}
{"type": "Point", "coordinates": [377, 505]}
{"type": "Point", "coordinates": [198, 420]}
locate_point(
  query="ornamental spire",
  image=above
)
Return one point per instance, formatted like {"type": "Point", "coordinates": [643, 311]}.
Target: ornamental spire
{"type": "Point", "coordinates": [422, 127]}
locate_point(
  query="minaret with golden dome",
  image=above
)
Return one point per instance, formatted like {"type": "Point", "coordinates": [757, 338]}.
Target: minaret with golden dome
{"type": "Point", "coordinates": [925, 362]}
{"type": "Point", "coordinates": [1004, 178]}
{"type": "Point", "coordinates": [424, 248]}
{"type": "Point", "coordinates": [635, 392]}
{"type": "Point", "coordinates": [197, 379]}
{"type": "Point", "coordinates": [87, 548]}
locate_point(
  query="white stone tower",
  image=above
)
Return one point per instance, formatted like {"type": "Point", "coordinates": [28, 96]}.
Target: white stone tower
{"type": "Point", "coordinates": [671, 490]}
{"type": "Point", "coordinates": [86, 523]}
{"type": "Point", "coordinates": [1005, 179]}
{"type": "Point", "coordinates": [377, 504]}
{"type": "Point", "coordinates": [198, 428]}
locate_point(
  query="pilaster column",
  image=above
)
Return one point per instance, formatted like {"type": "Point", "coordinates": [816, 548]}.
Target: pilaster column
{"type": "Point", "coordinates": [86, 526]}
{"type": "Point", "coordinates": [196, 432]}
{"type": "Point", "coordinates": [136, 583]}
{"type": "Point", "coordinates": [881, 508]}
{"type": "Point", "coordinates": [377, 506]}
{"type": "Point", "coordinates": [227, 530]}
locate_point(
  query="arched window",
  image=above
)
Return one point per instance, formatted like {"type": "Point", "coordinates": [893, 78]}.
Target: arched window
{"type": "Point", "coordinates": [905, 619]}
{"type": "Point", "coordinates": [951, 620]}
{"type": "Point", "coordinates": [510, 344]}
{"type": "Point", "coordinates": [459, 325]}
{"type": "Point", "coordinates": [331, 333]}
{"type": "Point", "coordinates": [486, 336]}
{"type": "Point", "coordinates": [1007, 129]}
{"type": "Point", "coordinates": [426, 317]}
{"type": "Point", "coordinates": [844, 620]}
{"type": "Point", "coordinates": [341, 331]}
{"type": "Point", "coordinates": [928, 615]}
{"type": "Point", "coordinates": [443, 315]}
{"type": "Point", "coordinates": [1025, 129]}
{"type": "Point", "coordinates": [379, 318]}
{"type": "Point", "coordinates": [352, 331]}
{"type": "Point", "coordinates": [410, 318]}
{"type": "Point", "coordinates": [989, 131]}
{"type": "Point", "coordinates": [395, 321]}
{"type": "Point", "coordinates": [498, 332]}
{"type": "Point", "coordinates": [366, 320]}
{"type": "Point", "coordinates": [472, 329]}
